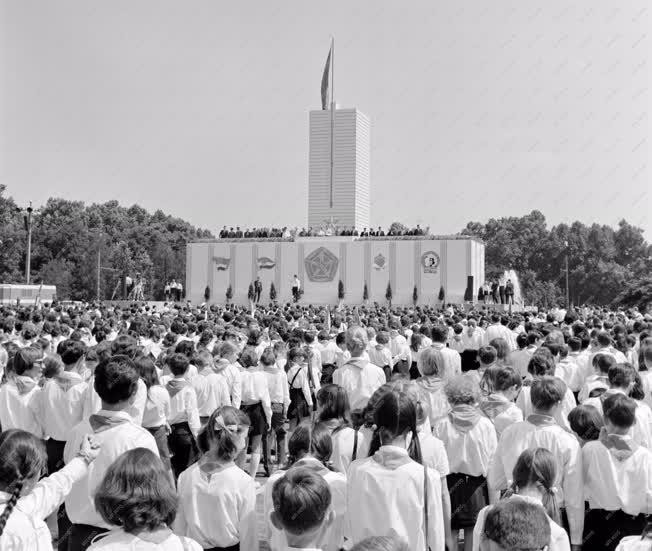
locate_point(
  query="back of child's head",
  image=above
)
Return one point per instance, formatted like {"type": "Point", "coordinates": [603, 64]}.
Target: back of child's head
{"type": "Point", "coordinates": [310, 439]}
{"type": "Point", "coordinates": [202, 359]}
{"type": "Point", "coordinates": [621, 376]}
{"type": "Point", "coordinates": [517, 525]}
{"type": "Point", "coordinates": [356, 340]}
{"type": "Point", "coordinates": [147, 371]}
{"type": "Point", "coordinates": [333, 402]}
{"type": "Point", "coordinates": [124, 345]}
{"type": "Point", "coordinates": [248, 357]}
{"type": "Point", "coordinates": [546, 392]}
{"type": "Point", "coordinates": [185, 347]}
{"type": "Point", "coordinates": [564, 349]}
{"type": "Point", "coordinates": [74, 352]}
{"type": "Point", "coordinates": [506, 378]}
{"type": "Point", "coordinates": [225, 428]}
{"type": "Point", "coordinates": [302, 499]}
{"type": "Point", "coordinates": [116, 379]}
{"type": "Point", "coordinates": [521, 340]}
{"type": "Point", "coordinates": [136, 493]}
{"type": "Point", "coordinates": [52, 366]}
{"type": "Point", "coordinates": [25, 359]}
{"type": "Point", "coordinates": [502, 348]}
{"type": "Point", "coordinates": [22, 457]}
{"type": "Point", "coordinates": [268, 358]}
{"type": "Point", "coordinates": [619, 410]}
{"type": "Point", "coordinates": [432, 363]}
{"type": "Point", "coordinates": [538, 467]}
{"type": "Point", "coordinates": [296, 356]}
{"type": "Point", "coordinates": [382, 338]}
{"type": "Point", "coordinates": [603, 362]}
{"type": "Point", "coordinates": [541, 363]}
{"type": "Point", "coordinates": [574, 344]}
{"type": "Point", "coordinates": [585, 421]}
{"type": "Point", "coordinates": [227, 349]}
{"type": "Point", "coordinates": [462, 389]}
{"type": "Point", "coordinates": [178, 364]}
{"type": "Point", "coordinates": [395, 415]}
{"type": "Point", "coordinates": [487, 355]}
{"type": "Point", "coordinates": [382, 543]}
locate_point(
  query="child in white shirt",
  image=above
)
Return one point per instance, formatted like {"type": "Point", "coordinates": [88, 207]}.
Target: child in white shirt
{"type": "Point", "coordinates": [334, 412]}
{"type": "Point", "coordinates": [310, 447]}
{"type": "Point", "coordinates": [19, 395]}
{"type": "Point", "coordinates": [617, 477]}
{"type": "Point", "coordinates": [184, 415]}
{"type": "Point", "coordinates": [501, 386]}
{"type": "Point", "coordinates": [597, 383]}
{"type": "Point", "coordinates": [25, 501]}
{"type": "Point", "coordinates": [217, 499]}
{"type": "Point", "coordinates": [380, 355]}
{"type": "Point", "coordinates": [302, 502]}
{"type": "Point", "coordinates": [470, 440]}
{"type": "Point", "coordinates": [279, 396]}
{"type": "Point", "coordinates": [137, 495]}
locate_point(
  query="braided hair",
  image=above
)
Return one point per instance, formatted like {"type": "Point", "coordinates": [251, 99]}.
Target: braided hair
{"type": "Point", "coordinates": [22, 457]}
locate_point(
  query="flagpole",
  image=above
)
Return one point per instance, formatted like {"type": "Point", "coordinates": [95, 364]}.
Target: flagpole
{"type": "Point", "coordinates": [332, 114]}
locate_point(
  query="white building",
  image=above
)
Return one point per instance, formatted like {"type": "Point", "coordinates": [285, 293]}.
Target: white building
{"type": "Point", "coordinates": [340, 197]}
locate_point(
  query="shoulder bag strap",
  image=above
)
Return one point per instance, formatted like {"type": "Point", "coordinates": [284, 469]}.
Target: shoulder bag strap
{"type": "Point", "coordinates": [295, 376]}
{"type": "Point", "coordinates": [425, 505]}
{"type": "Point", "coordinates": [354, 455]}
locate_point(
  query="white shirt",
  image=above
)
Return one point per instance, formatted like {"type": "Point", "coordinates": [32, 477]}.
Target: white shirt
{"type": "Point", "coordinates": [612, 484]}
{"type": "Point", "coordinates": [519, 359]}
{"type": "Point", "coordinates": [566, 370]}
{"type": "Point", "coordinates": [433, 451]}
{"type": "Point", "coordinates": [452, 360]}
{"type": "Point", "coordinates": [474, 341]}
{"type": "Point", "coordinates": [119, 540]}
{"type": "Point", "coordinates": [385, 496]}
{"type": "Point", "coordinates": [26, 529]}
{"type": "Point", "coordinates": [255, 389]}
{"type": "Point", "coordinates": [634, 543]}
{"type": "Point", "coordinates": [360, 379]}
{"type": "Point", "coordinates": [233, 376]}
{"type": "Point", "coordinates": [114, 442]}
{"type": "Point", "coordinates": [343, 441]}
{"type": "Point", "coordinates": [468, 452]}
{"type": "Point", "coordinates": [220, 511]}
{"type": "Point", "coordinates": [566, 449]}
{"type": "Point", "coordinates": [19, 411]}
{"type": "Point", "coordinates": [297, 377]}
{"type": "Point", "coordinates": [333, 539]}
{"type": "Point", "coordinates": [157, 407]}
{"type": "Point", "coordinates": [380, 356]}
{"type": "Point", "coordinates": [214, 391]}
{"type": "Point", "coordinates": [558, 536]}
{"type": "Point", "coordinates": [183, 407]}
{"type": "Point", "coordinates": [277, 383]}
{"type": "Point", "coordinates": [329, 352]}
{"type": "Point", "coordinates": [59, 406]}
{"type": "Point", "coordinates": [434, 389]}
{"type": "Point", "coordinates": [498, 331]}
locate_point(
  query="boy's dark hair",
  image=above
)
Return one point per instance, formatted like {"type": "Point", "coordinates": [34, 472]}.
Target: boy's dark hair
{"type": "Point", "coordinates": [546, 392]}
{"type": "Point", "coordinates": [586, 422]}
{"type": "Point", "coordinates": [268, 357]}
{"type": "Point", "coordinates": [301, 499]}
{"type": "Point", "coordinates": [575, 344]}
{"type": "Point", "coordinates": [518, 525]}
{"type": "Point", "coordinates": [73, 352]}
{"type": "Point", "coordinates": [487, 355]}
{"type": "Point", "coordinates": [620, 410]}
{"type": "Point", "coordinates": [178, 364]}
{"type": "Point", "coordinates": [439, 333]}
{"type": "Point", "coordinates": [116, 379]}
{"type": "Point", "coordinates": [521, 340]}
{"type": "Point", "coordinates": [603, 362]}
{"type": "Point", "coordinates": [621, 376]}
{"type": "Point", "coordinates": [185, 347]}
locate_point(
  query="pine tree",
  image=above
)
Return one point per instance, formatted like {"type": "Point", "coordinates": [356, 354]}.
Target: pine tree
{"type": "Point", "coordinates": [272, 292]}
{"type": "Point", "coordinates": [415, 295]}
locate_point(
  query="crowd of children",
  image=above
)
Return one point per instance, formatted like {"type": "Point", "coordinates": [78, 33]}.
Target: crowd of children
{"type": "Point", "coordinates": [377, 429]}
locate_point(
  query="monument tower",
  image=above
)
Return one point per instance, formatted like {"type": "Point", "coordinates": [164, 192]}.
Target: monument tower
{"type": "Point", "coordinates": [338, 182]}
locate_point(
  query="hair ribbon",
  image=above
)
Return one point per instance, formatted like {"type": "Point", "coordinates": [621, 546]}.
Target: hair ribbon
{"type": "Point", "coordinates": [221, 425]}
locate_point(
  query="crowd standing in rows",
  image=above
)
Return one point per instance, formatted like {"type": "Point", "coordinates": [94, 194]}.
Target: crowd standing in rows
{"type": "Point", "coordinates": [404, 428]}
{"type": "Point", "coordinates": [322, 231]}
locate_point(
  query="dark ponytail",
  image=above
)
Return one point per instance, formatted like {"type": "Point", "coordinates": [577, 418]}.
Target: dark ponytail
{"type": "Point", "coordinates": [22, 457]}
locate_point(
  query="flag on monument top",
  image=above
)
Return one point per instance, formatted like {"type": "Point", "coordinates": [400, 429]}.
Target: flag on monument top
{"type": "Point", "coordinates": [324, 80]}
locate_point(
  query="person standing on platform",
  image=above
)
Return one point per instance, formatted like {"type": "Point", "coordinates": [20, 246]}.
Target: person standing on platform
{"type": "Point", "coordinates": [258, 289]}
{"type": "Point", "coordinates": [296, 288]}
{"type": "Point", "coordinates": [501, 290]}
{"type": "Point", "coordinates": [509, 292]}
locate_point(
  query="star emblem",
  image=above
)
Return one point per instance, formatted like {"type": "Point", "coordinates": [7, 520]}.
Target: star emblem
{"type": "Point", "coordinates": [321, 265]}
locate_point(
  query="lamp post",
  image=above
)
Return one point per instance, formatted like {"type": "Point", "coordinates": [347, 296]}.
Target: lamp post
{"type": "Point", "coordinates": [27, 218]}
{"type": "Point", "coordinates": [567, 291]}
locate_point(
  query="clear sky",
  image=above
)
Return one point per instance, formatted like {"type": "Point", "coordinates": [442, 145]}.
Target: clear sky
{"type": "Point", "coordinates": [200, 108]}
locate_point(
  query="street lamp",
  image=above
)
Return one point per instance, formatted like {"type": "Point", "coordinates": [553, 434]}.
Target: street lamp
{"type": "Point", "coordinates": [27, 218]}
{"type": "Point", "coordinates": [567, 292]}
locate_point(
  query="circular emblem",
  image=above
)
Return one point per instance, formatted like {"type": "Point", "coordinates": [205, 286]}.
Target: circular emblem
{"type": "Point", "coordinates": [430, 261]}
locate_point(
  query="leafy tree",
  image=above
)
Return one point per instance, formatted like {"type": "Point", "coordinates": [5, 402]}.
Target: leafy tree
{"type": "Point", "coordinates": [636, 292]}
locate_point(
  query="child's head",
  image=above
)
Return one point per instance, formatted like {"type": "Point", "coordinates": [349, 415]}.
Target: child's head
{"type": "Point", "coordinates": [302, 500]}
{"type": "Point", "coordinates": [462, 390]}
{"type": "Point", "coordinates": [116, 381]}
{"type": "Point", "coordinates": [586, 422]}
{"type": "Point", "coordinates": [178, 364]}
{"type": "Point", "coordinates": [395, 416]}
{"type": "Point", "coordinates": [515, 525]}
{"type": "Point", "coordinates": [333, 403]}
{"type": "Point", "coordinates": [619, 413]}
{"type": "Point", "coordinates": [310, 440]}
{"type": "Point", "coordinates": [22, 462]}
{"type": "Point", "coordinates": [501, 379]}
{"type": "Point", "coordinates": [602, 363]}
{"type": "Point", "coordinates": [147, 371]}
{"type": "Point", "coordinates": [228, 351]}
{"type": "Point", "coordinates": [136, 493]}
{"type": "Point", "coordinates": [73, 354]}
{"type": "Point", "coordinates": [225, 433]}
{"type": "Point", "coordinates": [382, 543]}
{"type": "Point", "coordinates": [296, 356]}
{"type": "Point", "coordinates": [431, 362]}
{"type": "Point", "coordinates": [52, 366]}
{"type": "Point", "coordinates": [541, 363]}
{"type": "Point", "coordinates": [382, 338]}
{"type": "Point", "coordinates": [547, 393]}
{"type": "Point", "coordinates": [536, 468]}
{"type": "Point", "coordinates": [502, 348]}
{"type": "Point", "coordinates": [202, 359]}
{"type": "Point", "coordinates": [356, 341]}
{"type": "Point", "coordinates": [487, 355]}
{"type": "Point", "coordinates": [28, 362]}
{"type": "Point", "coordinates": [621, 376]}
{"type": "Point", "coordinates": [268, 358]}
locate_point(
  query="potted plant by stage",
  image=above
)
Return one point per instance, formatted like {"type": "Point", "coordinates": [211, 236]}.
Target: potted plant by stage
{"type": "Point", "coordinates": [442, 295]}
{"type": "Point", "coordinates": [272, 293]}
{"type": "Point", "coordinates": [365, 294]}
{"type": "Point", "coordinates": [415, 296]}
{"type": "Point", "coordinates": [207, 293]}
{"type": "Point", "coordinates": [340, 293]}
{"type": "Point", "coordinates": [388, 294]}
{"type": "Point", "coordinates": [229, 293]}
